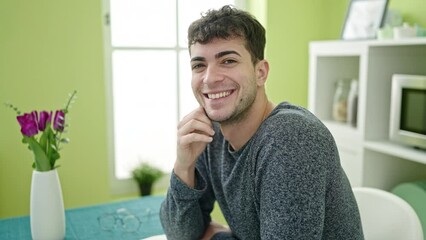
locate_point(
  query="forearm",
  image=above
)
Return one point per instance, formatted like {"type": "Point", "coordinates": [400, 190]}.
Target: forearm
{"type": "Point", "coordinates": [185, 224]}
{"type": "Point", "coordinates": [182, 214]}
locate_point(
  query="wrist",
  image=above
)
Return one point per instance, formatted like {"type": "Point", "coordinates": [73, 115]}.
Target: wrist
{"type": "Point", "coordinates": [185, 174]}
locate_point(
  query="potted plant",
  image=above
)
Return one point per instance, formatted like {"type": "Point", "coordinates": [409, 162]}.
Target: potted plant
{"type": "Point", "coordinates": [145, 175]}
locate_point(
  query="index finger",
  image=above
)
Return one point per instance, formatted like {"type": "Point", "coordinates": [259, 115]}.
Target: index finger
{"type": "Point", "coordinates": [198, 114]}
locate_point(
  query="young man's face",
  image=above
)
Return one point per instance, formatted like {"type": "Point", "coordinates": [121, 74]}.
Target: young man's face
{"type": "Point", "coordinates": [223, 79]}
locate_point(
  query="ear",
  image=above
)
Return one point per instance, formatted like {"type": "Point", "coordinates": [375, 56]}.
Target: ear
{"type": "Point", "coordinates": [262, 70]}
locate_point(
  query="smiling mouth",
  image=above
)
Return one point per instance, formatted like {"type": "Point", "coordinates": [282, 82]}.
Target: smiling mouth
{"type": "Point", "coordinates": [218, 95]}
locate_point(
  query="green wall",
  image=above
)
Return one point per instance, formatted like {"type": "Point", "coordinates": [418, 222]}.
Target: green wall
{"type": "Point", "coordinates": [413, 11]}
{"type": "Point", "coordinates": [291, 25]}
{"type": "Point", "coordinates": [48, 48]}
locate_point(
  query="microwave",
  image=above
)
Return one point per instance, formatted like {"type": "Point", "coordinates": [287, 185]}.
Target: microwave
{"type": "Point", "coordinates": [408, 110]}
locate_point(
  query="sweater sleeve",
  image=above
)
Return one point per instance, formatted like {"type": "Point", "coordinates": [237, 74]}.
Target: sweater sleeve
{"type": "Point", "coordinates": [185, 213]}
{"type": "Point", "coordinates": [291, 180]}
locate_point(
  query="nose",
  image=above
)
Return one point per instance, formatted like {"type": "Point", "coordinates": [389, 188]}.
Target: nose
{"type": "Point", "coordinates": [212, 75]}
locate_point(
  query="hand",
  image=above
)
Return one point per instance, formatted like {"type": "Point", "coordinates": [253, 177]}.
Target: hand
{"type": "Point", "coordinates": [195, 131]}
{"type": "Point", "coordinates": [214, 228]}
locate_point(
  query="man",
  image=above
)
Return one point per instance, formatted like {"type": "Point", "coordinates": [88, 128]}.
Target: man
{"type": "Point", "coordinates": [274, 170]}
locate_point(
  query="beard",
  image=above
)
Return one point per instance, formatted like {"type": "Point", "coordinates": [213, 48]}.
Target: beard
{"type": "Point", "coordinates": [242, 109]}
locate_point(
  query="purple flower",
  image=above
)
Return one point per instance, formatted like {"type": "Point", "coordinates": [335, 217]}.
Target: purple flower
{"type": "Point", "coordinates": [59, 121]}
{"type": "Point", "coordinates": [45, 118]}
{"type": "Point", "coordinates": [28, 123]}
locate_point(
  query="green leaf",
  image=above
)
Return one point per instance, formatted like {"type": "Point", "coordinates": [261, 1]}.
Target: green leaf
{"type": "Point", "coordinates": [146, 174]}
{"type": "Point", "coordinates": [52, 139]}
{"type": "Point", "coordinates": [54, 154]}
{"type": "Point", "coordinates": [65, 140]}
{"type": "Point", "coordinates": [42, 163]}
{"type": "Point", "coordinates": [44, 139]}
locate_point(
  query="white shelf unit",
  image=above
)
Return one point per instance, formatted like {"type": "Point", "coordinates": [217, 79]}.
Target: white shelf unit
{"type": "Point", "coordinates": [367, 155]}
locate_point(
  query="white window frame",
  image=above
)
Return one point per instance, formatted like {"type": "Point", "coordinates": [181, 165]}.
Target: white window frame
{"type": "Point", "coordinates": [119, 186]}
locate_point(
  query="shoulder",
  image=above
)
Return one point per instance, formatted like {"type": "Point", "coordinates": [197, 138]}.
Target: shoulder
{"type": "Point", "coordinates": [294, 121]}
{"type": "Point", "coordinates": [292, 132]}
{"type": "Point", "coordinates": [289, 112]}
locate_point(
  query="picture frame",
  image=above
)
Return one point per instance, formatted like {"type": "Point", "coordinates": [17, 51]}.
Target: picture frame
{"type": "Point", "coordinates": [363, 19]}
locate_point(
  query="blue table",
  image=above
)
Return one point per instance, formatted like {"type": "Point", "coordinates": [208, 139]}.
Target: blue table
{"type": "Point", "coordinates": [82, 223]}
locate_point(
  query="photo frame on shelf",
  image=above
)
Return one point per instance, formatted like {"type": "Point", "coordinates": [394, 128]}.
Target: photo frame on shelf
{"type": "Point", "coordinates": [363, 19]}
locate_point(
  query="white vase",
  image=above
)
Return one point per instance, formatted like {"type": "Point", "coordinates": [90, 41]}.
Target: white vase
{"type": "Point", "coordinates": [47, 214]}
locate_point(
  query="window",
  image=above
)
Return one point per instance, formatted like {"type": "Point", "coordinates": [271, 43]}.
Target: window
{"type": "Point", "coordinates": [148, 76]}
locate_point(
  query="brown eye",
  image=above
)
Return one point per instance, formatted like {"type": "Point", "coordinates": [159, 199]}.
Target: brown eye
{"type": "Point", "coordinates": [196, 66]}
{"type": "Point", "coordinates": [229, 61]}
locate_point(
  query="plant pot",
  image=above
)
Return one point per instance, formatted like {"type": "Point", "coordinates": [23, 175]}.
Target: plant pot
{"type": "Point", "coordinates": [47, 214]}
{"type": "Point", "coordinates": [145, 189]}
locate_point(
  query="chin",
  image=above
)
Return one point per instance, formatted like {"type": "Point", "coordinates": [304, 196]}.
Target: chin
{"type": "Point", "coordinates": [226, 119]}
{"type": "Point", "coordinates": [216, 115]}
{"type": "Point", "coordinates": [217, 118]}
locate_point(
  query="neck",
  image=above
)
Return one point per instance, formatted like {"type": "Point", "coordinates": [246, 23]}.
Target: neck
{"type": "Point", "coordinates": [238, 134]}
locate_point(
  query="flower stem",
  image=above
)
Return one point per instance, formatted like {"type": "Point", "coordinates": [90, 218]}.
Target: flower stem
{"type": "Point", "coordinates": [69, 101]}
{"type": "Point", "coordinates": [58, 140]}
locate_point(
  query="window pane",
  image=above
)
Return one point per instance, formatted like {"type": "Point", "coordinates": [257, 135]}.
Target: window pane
{"type": "Point", "coordinates": [186, 97]}
{"type": "Point", "coordinates": [143, 23]}
{"type": "Point", "coordinates": [145, 109]}
{"type": "Point", "coordinates": [190, 10]}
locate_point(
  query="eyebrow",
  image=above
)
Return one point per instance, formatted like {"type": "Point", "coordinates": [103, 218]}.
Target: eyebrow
{"type": "Point", "coordinates": [224, 53]}
{"type": "Point", "coordinates": [217, 55]}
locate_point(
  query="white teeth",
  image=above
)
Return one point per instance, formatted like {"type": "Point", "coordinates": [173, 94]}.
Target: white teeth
{"type": "Point", "coordinates": [218, 95]}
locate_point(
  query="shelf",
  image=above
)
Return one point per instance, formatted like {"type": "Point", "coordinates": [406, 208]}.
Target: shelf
{"type": "Point", "coordinates": [327, 46]}
{"type": "Point", "coordinates": [394, 149]}
{"type": "Point", "coordinates": [340, 127]}
{"type": "Point", "coordinates": [366, 154]}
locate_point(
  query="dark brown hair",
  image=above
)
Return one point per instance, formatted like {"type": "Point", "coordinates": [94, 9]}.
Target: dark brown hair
{"type": "Point", "coordinates": [227, 23]}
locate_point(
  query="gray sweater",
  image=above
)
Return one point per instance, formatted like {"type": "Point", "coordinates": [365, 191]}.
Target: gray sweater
{"type": "Point", "coordinates": [285, 183]}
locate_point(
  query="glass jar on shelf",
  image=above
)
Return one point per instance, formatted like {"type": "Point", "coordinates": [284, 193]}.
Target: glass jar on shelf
{"type": "Point", "coordinates": [340, 100]}
{"type": "Point", "coordinates": [353, 103]}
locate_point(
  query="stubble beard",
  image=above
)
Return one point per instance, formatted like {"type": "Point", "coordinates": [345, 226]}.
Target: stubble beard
{"type": "Point", "coordinates": [241, 111]}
